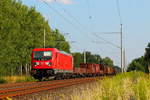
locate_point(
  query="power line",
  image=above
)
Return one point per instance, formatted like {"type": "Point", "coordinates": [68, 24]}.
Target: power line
{"type": "Point", "coordinates": [90, 27]}
{"type": "Point", "coordinates": [118, 10]}
{"type": "Point", "coordinates": [107, 41]}
{"type": "Point", "coordinates": [107, 32]}
{"type": "Point", "coordinates": [76, 27]}
{"type": "Point", "coordinates": [89, 15]}
{"type": "Point", "coordinates": [69, 14]}
{"type": "Point", "coordinates": [89, 11]}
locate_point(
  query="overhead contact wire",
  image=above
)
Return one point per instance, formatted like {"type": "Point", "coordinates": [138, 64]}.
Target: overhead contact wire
{"type": "Point", "coordinates": [74, 26]}
{"type": "Point", "coordinates": [107, 41]}
{"type": "Point", "coordinates": [61, 15]}
{"type": "Point", "coordinates": [118, 10]}
{"type": "Point", "coordinates": [71, 16]}
{"type": "Point", "coordinates": [89, 11]}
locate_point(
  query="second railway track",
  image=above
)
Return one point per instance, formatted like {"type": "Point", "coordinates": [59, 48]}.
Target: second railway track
{"type": "Point", "coordinates": [19, 89]}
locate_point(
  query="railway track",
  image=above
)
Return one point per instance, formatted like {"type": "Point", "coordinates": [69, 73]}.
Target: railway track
{"type": "Point", "coordinates": [18, 89]}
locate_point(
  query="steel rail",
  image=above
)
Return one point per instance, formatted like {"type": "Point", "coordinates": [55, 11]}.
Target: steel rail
{"type": "Point", "coordinates": [42, 87]}
{"type": "Point", "coordinates": [44, 84]}
{"type": "Point", "coordinates": [22, 84]}
{"type": "Point", "coordinates": [14, 84]}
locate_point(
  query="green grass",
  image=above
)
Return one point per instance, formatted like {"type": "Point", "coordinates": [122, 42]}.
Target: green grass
{"type": "Point", "coordinates": [127, 86]}
{"type": "Point", "coordinates": [16, 79]}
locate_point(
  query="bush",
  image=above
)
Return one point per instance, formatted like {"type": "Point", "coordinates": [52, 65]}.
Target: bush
{"type": "Point", "coordinates": [2, 81]}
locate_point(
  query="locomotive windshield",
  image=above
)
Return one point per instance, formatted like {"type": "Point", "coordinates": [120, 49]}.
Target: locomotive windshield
{"type": "Point", "coordinates": [42, 55]}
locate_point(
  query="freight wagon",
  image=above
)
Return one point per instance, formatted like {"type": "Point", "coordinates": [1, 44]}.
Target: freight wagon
{"type": "Point", "coordinates": [90, 69]}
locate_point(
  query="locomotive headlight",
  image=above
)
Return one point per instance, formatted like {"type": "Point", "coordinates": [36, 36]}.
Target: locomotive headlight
{"type": "Point", "coordinates": [36, 63]}
{"type": "Point", "coordinates": [48, 63]}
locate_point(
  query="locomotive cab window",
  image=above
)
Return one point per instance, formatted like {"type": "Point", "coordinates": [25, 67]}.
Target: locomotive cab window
{"type": "Point", "coordinates": [42, 55]}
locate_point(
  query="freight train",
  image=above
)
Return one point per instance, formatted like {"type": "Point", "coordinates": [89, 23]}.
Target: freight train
{"type": "Point", "coordinates": [51, 62]}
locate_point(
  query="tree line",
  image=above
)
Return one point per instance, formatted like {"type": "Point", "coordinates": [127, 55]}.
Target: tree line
{"type": "Point", "coordinates": [90, 58]}
{"type": "Point", "coordinates": [21, 30]}
{"type": "Point", "coordinates": [142, 63]}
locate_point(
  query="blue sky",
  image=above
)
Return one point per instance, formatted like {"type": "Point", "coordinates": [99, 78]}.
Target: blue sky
{"type": "Point", "coordinates": [104, 18]}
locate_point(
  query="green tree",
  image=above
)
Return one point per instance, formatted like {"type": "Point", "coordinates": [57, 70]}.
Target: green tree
{"type": "Point", "coordinates": [78, 58]}
{"type": "Point", "coordinates": [147, 53]}
{"type": "Point", "coordinates": [60, 41]}
{"type": "Point", "coordinates": [93, 58]}
{"type": "Point", "coordinates": [141, 63]}
{"type": "Point", "coordinates": [138, 64]}
{"type": "Point", "coordinates": [108, 61]}
{"type": "Point", "coordinates": [90, 58]}
{"type": "Point", "coordinates": [21, 30]}
{"type": "Point", "coordinates": [147, 57]}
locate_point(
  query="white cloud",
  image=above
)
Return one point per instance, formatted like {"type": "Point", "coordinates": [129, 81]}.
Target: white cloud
{"type": "Point", "coordinates": [61, 1]}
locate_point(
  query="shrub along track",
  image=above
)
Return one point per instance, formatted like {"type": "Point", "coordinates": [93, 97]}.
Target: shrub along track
{"type": "Point", "coordinates": [12, 90]}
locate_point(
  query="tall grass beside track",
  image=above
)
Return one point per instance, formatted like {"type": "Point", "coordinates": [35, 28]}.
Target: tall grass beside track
{"type": "Point", "coordinates": [16, 79]}
{"type": "Point", "coordinates": [127, 86]}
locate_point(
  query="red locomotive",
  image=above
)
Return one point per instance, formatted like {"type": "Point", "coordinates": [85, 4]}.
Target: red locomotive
{"type": "Point", "coordinates": [48, 62]}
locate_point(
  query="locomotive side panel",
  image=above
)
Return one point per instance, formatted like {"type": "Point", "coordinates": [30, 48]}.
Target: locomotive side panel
{"type": "Point", "coordinates": [64, 62]}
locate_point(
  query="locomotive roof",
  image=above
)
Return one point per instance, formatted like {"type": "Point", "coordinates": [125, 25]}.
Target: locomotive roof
{"type": "Point", "coordinates": [45, 49]}
{"type": "Point", "coordinates": [51, 49]}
